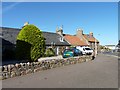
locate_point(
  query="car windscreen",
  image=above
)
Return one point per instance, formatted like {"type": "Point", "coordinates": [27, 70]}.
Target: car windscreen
{"type": "Point", "coordinates": [77, 50]}
{"type": "Point", "coordinates": [67, 50]}
{"type": "Point", "coordinates": [87, 49]}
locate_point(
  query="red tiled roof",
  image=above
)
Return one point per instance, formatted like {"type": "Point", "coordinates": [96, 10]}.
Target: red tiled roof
{"type": "Point", "coordinates": [74, 40]}
{"type": "Point", "coordinates": [90, 38]}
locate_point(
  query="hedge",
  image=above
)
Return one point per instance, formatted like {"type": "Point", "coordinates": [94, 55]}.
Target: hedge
{"type": "Point", "coordinates": [30, 43]}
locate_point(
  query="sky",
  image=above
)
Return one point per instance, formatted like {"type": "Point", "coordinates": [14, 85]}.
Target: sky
{"type": "Point", "coordinates": [101, 18]}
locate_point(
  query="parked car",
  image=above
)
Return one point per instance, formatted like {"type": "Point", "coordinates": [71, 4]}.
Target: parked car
{"type": "Point", "coordinates": [76, 52]}
{"type": "Point", "coordinates": [67, 53]}
{"type": "Point", "coordinates": [85, 50]}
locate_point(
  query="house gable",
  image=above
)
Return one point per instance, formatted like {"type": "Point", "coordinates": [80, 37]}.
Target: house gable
{"type": "Point", "coordinates": [90, 38]}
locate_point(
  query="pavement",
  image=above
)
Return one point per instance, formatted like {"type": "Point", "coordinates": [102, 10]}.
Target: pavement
{"type": "Point", "coordinates": [99, 73]}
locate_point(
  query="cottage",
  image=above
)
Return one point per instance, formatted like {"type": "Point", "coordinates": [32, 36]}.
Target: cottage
{"type": "Point", "coordinates": [80, 39]}
{"type": "Point", "coordinates": [56, 41]}
{"type": "Point", "coordinates": [71, 39]}
{"type": "Point", "coordinates": [9, 36]}
{"type": "Point", "coordinates": [88, 38]}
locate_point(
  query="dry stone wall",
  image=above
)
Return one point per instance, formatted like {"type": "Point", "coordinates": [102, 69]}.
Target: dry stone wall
{"type": "Point", "coordinates": [10, 71]}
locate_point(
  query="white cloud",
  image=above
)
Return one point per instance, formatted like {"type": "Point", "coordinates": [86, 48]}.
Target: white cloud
{"type": "Point", "coordinates": [9, 7]}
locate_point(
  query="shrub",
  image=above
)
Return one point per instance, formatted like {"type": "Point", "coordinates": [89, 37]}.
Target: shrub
{"type": "Point", "coordinates": [49, 52]}
{"type": "Point", "coordinates": [30, 43]}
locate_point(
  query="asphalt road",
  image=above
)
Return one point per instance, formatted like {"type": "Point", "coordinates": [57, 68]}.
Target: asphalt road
{"type": "Point", "coordinates": [99, 73]}
{"type": "Point", "coordinates": [111, 53]}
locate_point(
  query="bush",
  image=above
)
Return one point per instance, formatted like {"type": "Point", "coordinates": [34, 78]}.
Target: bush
{"type": "Point", "coordinates": [30, 43]}
{"type": "Point", "coordinates": [49, 52]}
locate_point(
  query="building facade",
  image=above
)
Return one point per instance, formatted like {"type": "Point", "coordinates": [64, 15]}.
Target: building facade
{"type": "Point", "coordinates": [9, 36]}
{"type": "Point", "coordinates": [88, 38]}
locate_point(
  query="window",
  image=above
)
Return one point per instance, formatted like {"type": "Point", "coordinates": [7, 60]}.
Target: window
{"type": "Point", "coordinates": [61, 39]}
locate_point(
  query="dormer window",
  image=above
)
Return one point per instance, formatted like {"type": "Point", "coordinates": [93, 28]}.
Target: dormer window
{"type": "Point", "coordinates": [61, 39]}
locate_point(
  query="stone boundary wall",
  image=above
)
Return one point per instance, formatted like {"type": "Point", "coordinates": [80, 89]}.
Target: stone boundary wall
{"type": "Point", "coordinates": [10, 71]}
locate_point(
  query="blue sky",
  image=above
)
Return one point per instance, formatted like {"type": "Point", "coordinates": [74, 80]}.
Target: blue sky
{"type": "Point", "coordinates": [101, 18]}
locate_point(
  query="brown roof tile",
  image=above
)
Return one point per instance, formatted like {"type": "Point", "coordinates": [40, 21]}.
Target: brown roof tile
{"type": "Point", "coordinates": [74, 40]}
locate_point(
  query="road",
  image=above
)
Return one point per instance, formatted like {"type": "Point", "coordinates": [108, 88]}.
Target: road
{"type": "Point", "coordinates": [99, 73]}
{"type": "Point", "coordinates": [111, 53]}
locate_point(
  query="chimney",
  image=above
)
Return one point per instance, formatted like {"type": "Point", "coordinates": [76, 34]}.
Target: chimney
{"type": "Point", "coordinates": [79, 32]}
{"type": "Point", "coordinates": [59, 31]}
{"type": "Point", "coordinates": [91, 34]}
{"type": "Point", "coordinates": [26, 23]}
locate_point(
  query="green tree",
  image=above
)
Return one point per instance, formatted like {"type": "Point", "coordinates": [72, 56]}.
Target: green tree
{"type": "Point", "coordinates": [30, 43]}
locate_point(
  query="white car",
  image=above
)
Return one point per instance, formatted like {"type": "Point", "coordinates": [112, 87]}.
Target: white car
{"type": "Point", "coordinates": [85, 50]}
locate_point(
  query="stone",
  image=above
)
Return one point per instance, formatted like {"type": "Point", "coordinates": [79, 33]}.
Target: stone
{"type": "Point", "coordinates": [28, 71]}
{"type": "Point", "coordinates": [18, 73]}
{"type": "Point", "coordinates": [8, 71]}
{"type": "Point", "coordinates": [21, 64]}
{"type": "Point", "coordinates": [5, 68]}
{"type": "Point", "coordinates": [36, 70]}
{"type": "Point", "coordinates": [7, 75]}
{"type": "Point", "coordinates": [32, 67]}
{"type": "Point", "coordinates": [26, 66]}
{"type": "Point", "coordinates": [13, 74]}
{"type": "Point", "coordinates": [9, 68]}
{"type": "Point", "coordinates": [0, 69]}
{"type": "Point", "coordinates": [18, 65]}
{"type": "Point", "coordinates": [1, 77]}
{"type": "Point", "coordinates": [23, 73]}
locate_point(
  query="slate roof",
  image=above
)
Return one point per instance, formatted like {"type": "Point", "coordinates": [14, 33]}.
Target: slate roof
{"type": "Point", "coordinates": [55, 39]}
{"type": "Point", "coordinates": [10, 34]}
{"type": "Point", "coordinates": [74, 40]}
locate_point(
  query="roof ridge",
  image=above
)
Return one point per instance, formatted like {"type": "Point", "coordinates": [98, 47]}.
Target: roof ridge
{"type": "Point", "coordinates": [21, 28]}
{"type": "Point", "coordinates": [49, 32]}
{"type": "Point", "coordinates": [10, 28]}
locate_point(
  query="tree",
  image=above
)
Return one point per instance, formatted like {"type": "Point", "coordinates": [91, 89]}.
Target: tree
{"type": "Point", "coordinates": [30, 43]}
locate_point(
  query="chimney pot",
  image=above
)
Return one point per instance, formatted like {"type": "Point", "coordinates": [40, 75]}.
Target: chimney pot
{"type": "Point", "coordinates": [59, 31]}
{"type": "Point", "coordinates": [26, 23]}
{"type": "Point", "coordinates": [91, 33]}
